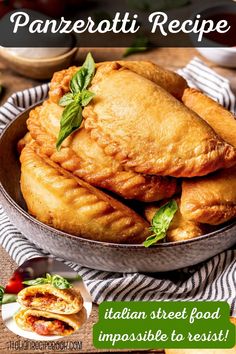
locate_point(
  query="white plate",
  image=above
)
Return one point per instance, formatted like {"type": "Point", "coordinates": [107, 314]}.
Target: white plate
{"type": "Point", "coordinates": [9, 310]}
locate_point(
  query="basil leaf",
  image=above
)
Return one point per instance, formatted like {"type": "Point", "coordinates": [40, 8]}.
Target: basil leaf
{"type": "Point", "coordinates": [78, 80]}
{"type": "Point", "coordinates": [84, 75]}
{"type": "Point", "coordinates": [89, 65]}
{"type": "Point", "coordinates": [66, 99]}
{"type": "Point", "coordinates": [55, 280]}
{"type": "Point", "coordinates": [151, 240]}
{"type": "Point", "coordinates": [139, 45]}
{"type": "Point", "coordinates": [37, 281]}
{"type": "Point", "coordinates": [161, 222]}
{"type": "Point", "coordinates": [86, 97]}
{"type": "Point", "coordinates": [76, 99]}
{"type": "Point", "coordinates": [60, 283]}
{"type": "Point", "coordinates": [49, 277]}
{"type": "Point", "coordinates": [70, 121]}
{"type": "Point", "coordinates": [9, 298]}
{"type": "Point", "coordinates": [1, 293]}
{"type": "Point", "coordinates": [73, 279]}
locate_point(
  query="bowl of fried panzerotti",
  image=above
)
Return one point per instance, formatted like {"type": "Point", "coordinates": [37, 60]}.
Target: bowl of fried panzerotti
{"type": "Point", "coordinates": [122, 168]}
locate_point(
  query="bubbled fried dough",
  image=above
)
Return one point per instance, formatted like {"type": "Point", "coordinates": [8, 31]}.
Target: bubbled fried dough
{"type": "Point", "coordinates": [49, 298]}
{"type": "Point", "coordinates": [147, 130]}
{"type": "Point", "coordinates": [180, 228]}
{"type": "Point", "coordinates": [57, 198]}
{"type": "Point", "coordinates": [82, 156]}
{"type": "Point", "coordinates": [219, 118]}
{"type": "Point", "coordinates": [23, 141]}
{"type": "Point", "coordinates": [211, 200]}
{"type": "Point", "coordinates": [27, 318]}
{"type": "Point", "coordinates": [170, 81]}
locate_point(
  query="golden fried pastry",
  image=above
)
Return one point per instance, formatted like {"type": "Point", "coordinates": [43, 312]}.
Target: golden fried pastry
{"type": "Point", "coordinates": [170, 81]}
{"type": "Point", "coordinates": [180, 229]}
{"type": "Point", "coordinates": [82, 156]}
{"type": "Point", "coordinates": [233, 320]}
{"type": "Point", "coordinates": [49, 324]}
{"type": "Point", "coordinates": [48, 298]}
{"type": "Point", "coordinates": [58, 198]}
{"type": "Point", "coordinates": [22, 142]}
{"type": "Point", "coordinates": [211, 200]}
{"type": "Point", "coordinates": [148, 130]}
{"type": "Point", "coordinates": [219, 118]}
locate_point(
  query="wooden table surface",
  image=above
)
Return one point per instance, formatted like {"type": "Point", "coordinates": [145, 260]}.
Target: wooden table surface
{"type": "Point", "coordinates": [172, 58]}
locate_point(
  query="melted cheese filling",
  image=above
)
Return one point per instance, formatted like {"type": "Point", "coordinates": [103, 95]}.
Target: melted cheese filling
{"type": "Point", "coordinates": [48, 326]}
{"type": "Point", "coordinates": [45, 300]}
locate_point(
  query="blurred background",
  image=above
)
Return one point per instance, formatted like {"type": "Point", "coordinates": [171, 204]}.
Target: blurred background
{"type": "Point", "coordinates": [23, 67]}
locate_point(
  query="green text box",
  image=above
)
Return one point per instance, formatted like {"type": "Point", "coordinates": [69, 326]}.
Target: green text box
{"type": "Point", "coordinates": [152, 325]}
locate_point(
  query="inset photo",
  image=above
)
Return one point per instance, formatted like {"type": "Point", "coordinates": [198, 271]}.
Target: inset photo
{"type": "Point", "coordinates": [45, 300]}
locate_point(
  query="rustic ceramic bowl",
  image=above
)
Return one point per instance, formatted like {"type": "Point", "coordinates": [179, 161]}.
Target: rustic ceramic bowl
{"type": "Point", "coordinates": [97, 255]}
{"type": "Point", "coordinates": [37, 68]}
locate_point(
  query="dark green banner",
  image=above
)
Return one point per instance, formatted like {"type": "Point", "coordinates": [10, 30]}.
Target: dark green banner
{"type": "Point", "coordinates": [152, 325]}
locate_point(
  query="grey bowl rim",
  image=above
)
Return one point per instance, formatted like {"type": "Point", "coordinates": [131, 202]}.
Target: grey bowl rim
{"type": "Point", "coordinates": [51, 229]}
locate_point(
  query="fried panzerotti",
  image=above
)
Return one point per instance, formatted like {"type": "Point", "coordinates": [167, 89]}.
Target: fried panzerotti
{"type": "Point", "coordinates": [82, 156]}
{"type": "Point", "coordinates": [48, 298]}
{"type": "Point", "coordinates": [73, 206]}
{"type": "Point", "coordinates": [148, 130]}
{"type": "Point", "coordinates": [22, 142]}
{"type": "Point", "coordinates": [49, 324]}
{"type": "Point", "coordinates": [180, 229]}
{"type": "Point", "coordinates": [219, 118]}
{"type": "Point", "coordinates": [211, 200]}
{"type": "Point", "coordinates": [170, 81]}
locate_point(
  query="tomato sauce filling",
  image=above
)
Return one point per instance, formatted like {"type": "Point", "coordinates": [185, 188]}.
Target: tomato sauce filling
{"type": "Point", "coordinates": [47, 326]}
{"type": "Point", "coordinates": [44, 298]}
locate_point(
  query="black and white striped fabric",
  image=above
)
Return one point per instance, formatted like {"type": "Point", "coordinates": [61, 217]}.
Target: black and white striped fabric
{"type": "Point", "coordinates": [212, 280]}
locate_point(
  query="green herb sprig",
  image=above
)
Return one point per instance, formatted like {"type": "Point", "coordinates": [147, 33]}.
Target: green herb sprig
{"type": "Point", "coordinates": [1, 293]}
{"type": "Point", "coordinates": [75, 100]}
{"type": "Point", "coordinates": [161, 222]}
{"type": "Point", "coordinates": [55, 280]}
{"type": "Point", "coordinates": [6, 298]}
{"type": "Point", "coordinates": [140, 44]}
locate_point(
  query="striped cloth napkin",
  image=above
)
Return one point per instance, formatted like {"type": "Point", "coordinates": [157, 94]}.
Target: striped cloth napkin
{"type": "Point", "coordinates": [211, 280]}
